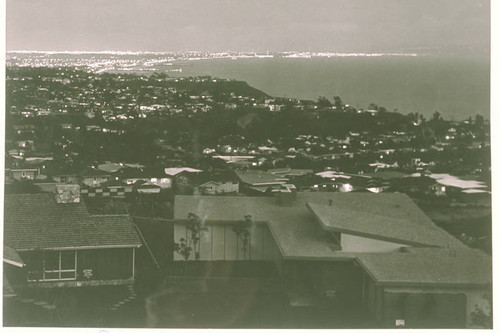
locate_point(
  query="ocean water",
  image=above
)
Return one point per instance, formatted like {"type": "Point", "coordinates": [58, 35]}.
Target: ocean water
{"type": "Point", "coordinates": [456, 87]}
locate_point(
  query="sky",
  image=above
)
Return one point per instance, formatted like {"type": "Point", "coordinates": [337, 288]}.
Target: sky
{"type": "Point", "coordinates": [450, 26]}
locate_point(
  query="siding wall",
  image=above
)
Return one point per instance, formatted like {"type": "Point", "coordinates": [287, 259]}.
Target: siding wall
{"type": "Point", "coordinates": [220, 242]}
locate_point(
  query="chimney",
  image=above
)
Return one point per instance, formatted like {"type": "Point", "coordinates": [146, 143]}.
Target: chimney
{"type": "Point", "coordinates": [67, 193]}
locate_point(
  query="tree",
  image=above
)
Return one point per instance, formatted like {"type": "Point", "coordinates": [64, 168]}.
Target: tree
{"type": "Point", "coordinates": [185, 246]}
{"type": "Point", "coordinates": [243, 231]}
{"type": "Point", "coordinates": [323, 102]}
{"type": "Point", "coordinates": [339, 106]}
{"type": "Point", "coordinates": [194, 226]}
{"type": "Point", "coordinates": [436, 116]}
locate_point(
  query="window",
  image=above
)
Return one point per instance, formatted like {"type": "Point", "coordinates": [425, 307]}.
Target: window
{"type": "Point", "coordinates": [52, 266]}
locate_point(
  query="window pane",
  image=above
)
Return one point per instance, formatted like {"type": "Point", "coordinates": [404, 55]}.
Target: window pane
{"type": "Point", "coordinates": [52, 276]}
{"type": "Point", "coordinates": [34, 261]}
{"type": "Point", "coordinates": [68, 275]}
{"type": "Point", "coordinates": [67, 260]}
{"type": "Point", "coordinates": [51, 261]}
{"type": "Point", "coordinates": [35, 275]}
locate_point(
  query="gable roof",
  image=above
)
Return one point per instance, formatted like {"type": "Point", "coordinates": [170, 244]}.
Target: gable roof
{"type": "Point", "coordinates": [421, 266]}
{"type": "Point", "coordinates": [37, 222]}
{"type": "Point", "coordinates": [176, 171]}
{"type": "Point", "coordinates": [380, 226]}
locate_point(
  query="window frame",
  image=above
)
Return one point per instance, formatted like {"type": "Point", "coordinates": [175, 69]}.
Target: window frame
{"type": "Point", "coordinates": [59, 271]}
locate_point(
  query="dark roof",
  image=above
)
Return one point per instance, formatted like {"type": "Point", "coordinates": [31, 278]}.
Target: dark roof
{"type": "Point", "coordinates": [257, 177]}
{"type": "Point", "coordinates": [420, 266]}
{"type": "Point", "coordinates": [92, 172]}
{"type": "Point", "coordinates": [115, 183]}
{"type": "Point", "coordinates": [290, 172]}
{"type": "Point", "coordinates": [59, 170]}
{"type": "Point", "coordinates": [380, 225]}
{"type": "Point", "coordinates": [422, 181]}
{"type": "Point", "coordinates": [223, 175]}
{"type": "Point", "coordinates": [387, 174]}
{"type": "Point", "coordinates": [36, 221]}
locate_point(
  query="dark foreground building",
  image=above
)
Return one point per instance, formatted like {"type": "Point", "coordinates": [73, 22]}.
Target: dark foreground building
{"type": "Point", "coordinates": [52, 240]}
{"type": "Point", "coordinates": [293, 260]}
{"type": "Point", "coordinates": [375, 256]}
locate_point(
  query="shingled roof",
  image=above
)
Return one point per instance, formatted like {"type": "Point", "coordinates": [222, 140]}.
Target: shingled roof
{"type": "Point", "coordinates": [37, 222]}
{"type": "Point", "coordinates": [421, 266]}
{"type": "Point", "coordinates": [380, 226]}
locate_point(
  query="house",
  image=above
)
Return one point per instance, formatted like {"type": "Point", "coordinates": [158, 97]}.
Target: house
{"type": "Point", "coordinates": [290, 173]}
{"type": "Point", "coordinates": [93, 177]}
{"type": "Point", "coordinates": [258, 182]}
{"type": "Point", "coordinates": [219, 182]}
{"type": "Point", "coordinates": [158, 177]}
{"type": "Point", "coordinates": [116, 188]}
{"type": "Point", "coordinates": [130, 175]}
{"type": "Point", "coordinates": [174, 172]}
{"type": "Point", "coordinates": [452, 185]}
{"type": "Point", "coordinates": [182, 178]}
{"type": "Point", "coordinates": [64, 175]}
{"type": "Point", "coordinates": [22, 173]}
{"type": "Point", "coordinates": [57, 243]}
{"type": "Point", "coordinates": [377, 254]}
{"type": "Point", "coordinates": [110, 167]}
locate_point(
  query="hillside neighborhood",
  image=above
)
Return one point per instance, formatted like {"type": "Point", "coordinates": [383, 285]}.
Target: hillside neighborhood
{"type": "Point", "coordinates": [168, 196]}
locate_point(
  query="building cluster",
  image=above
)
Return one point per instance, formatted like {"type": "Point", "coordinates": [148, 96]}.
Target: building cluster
{"type": "Point", "coordinates": [328, 219]}
{"type": "Point", "coordinates": [378, 256]}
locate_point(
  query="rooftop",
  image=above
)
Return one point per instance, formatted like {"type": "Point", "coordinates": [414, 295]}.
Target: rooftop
{"type": "Point", "coordinates": [422, 266]}
{"type": "Point", "coordinates": [449, 180]}
{"type": "Point", "coordinates": [296, 230]}
{"type": "Point", "coordinates": [382, 225]}
{"type": "Point", "coordinates": [36, 221]}
{"type": "Point", "coordinates": [257, 177]}
{"type": "Point", "coordinates": [176, 171]}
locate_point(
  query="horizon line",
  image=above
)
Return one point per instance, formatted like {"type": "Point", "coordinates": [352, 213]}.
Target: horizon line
{"type": "Point", "coordinates": [289, 52]}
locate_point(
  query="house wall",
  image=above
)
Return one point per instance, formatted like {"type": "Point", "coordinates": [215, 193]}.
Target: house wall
{"type": "Point", "coordinates": [351, 243]}
{"type": "Point", "coordinates": [105, 264]}
{"type": "Point", "coordinates": [162, 182]}
{"type": "Point", "coordinates": [216, 188]}
{"type": "Point", "coordinates": [66, 179]}
{"type": "Point", "coordinates": [95, 181]}
{"type": "Point", "coordinates": [448, 305]}
{"type": "Point", "coordinates": [17, 174]}
{"type": "Point", "coordinates": [220, 242]}
{"type": "Point", "coordinates": [340, 280]}
{"type": "Point", "coordinates": [91, 265]}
